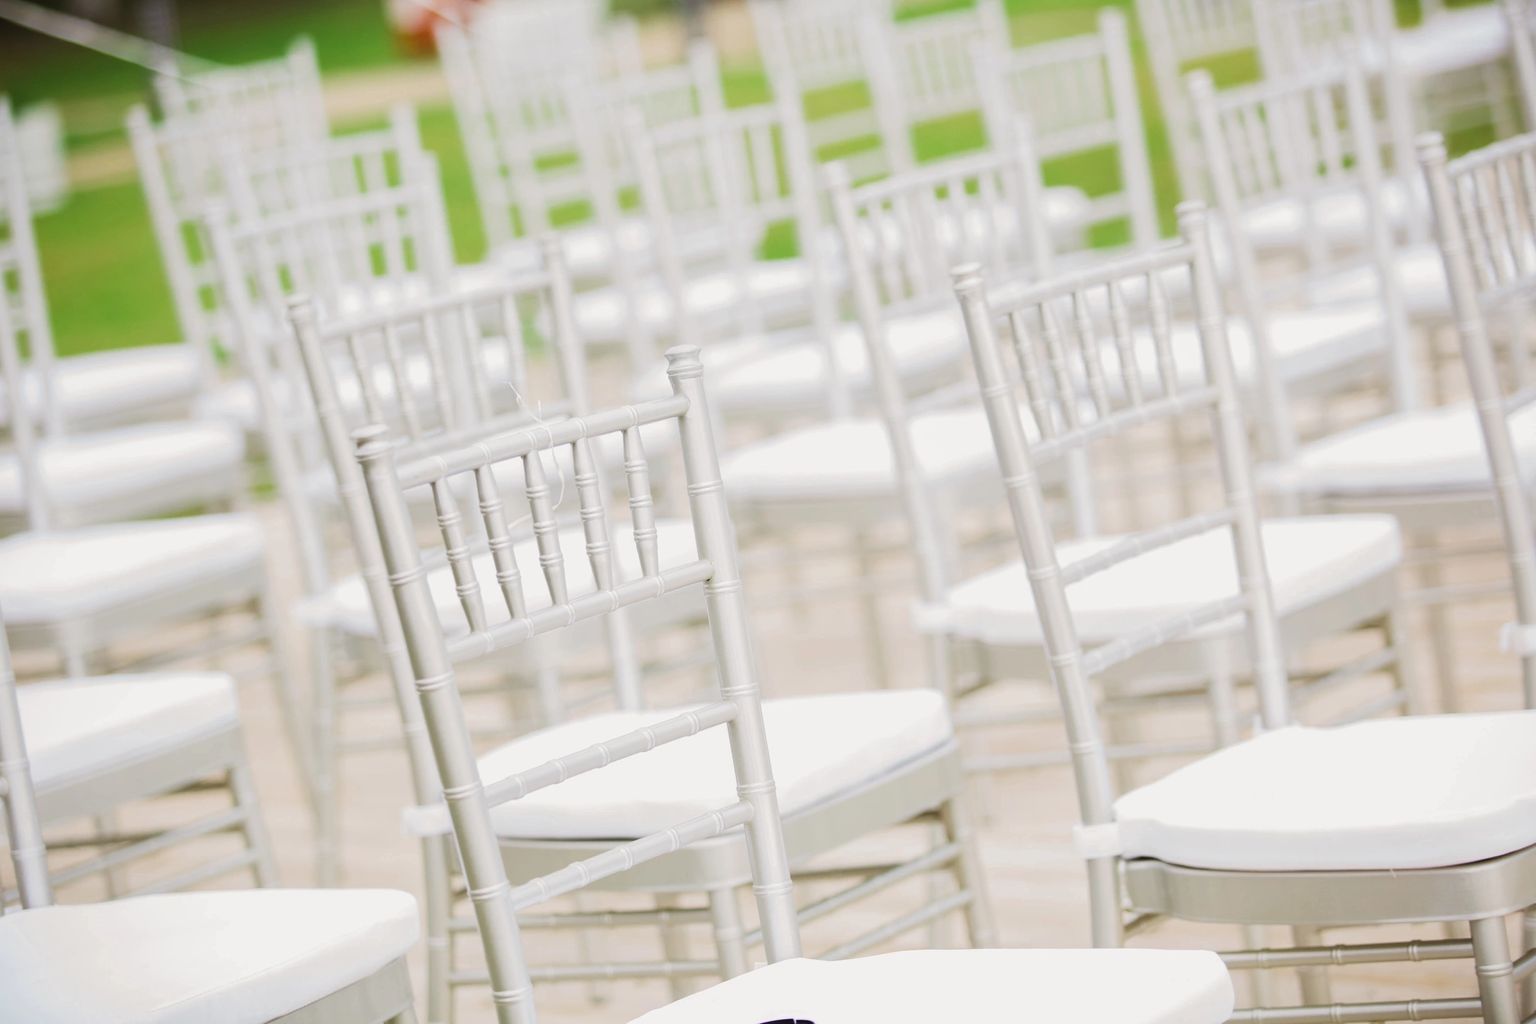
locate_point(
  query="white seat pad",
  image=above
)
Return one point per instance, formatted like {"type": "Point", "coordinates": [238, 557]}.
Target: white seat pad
{"type": "Point", "coordinates": [1339, 216]}
{"type": "Point", "coordinates": [92, 468]}
{"type": "Point", "coordinates": [1399, 793]}
{"type": "Point", "coordinates": [788, 369]}
{"type": "Point", "coordinates": [79, 727]}
{"type": "Point", "coordinates": [346, 607]}
{"type": "Point", "coordinates": [1438, 449]}
{"type": "Point", "coordinates": [198, 957]}
{"type": "Point", "coordinates": [63, 574]}
{"type": "Point", "coordinates": [1420, 281]}
{"type": "Point", "coordinates": [604, 316]}
{"type": "Point", "coordinates": [588, 248]}
{"type": "Point", "coordinates": [852, 459]}
{"type": "Point", "coordinates": [973, 986]}
{"type": "Point", "coordinates": [1309, 559]}
{"type": "Point", "coordinates": [102, 385]}
{"type": "Point", "coordinates": [820, 747]}
{"type": "Point", "coordinates": [1453, 39]}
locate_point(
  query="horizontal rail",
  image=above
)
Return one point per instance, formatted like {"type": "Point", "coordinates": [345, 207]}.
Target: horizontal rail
{"type": "Point", "coordinates": [1011, 297]}
{"type": "Point", "coordinates": [234, 862]}
{"type": "Point", "coordinates": [1345, 955]}
{"type": "Point", "coordinates": [1163, 631]}
{"type": "Point", "coordinates": [621, 858]}
{"type": "Point", "coordinates": [1141, 543]}
{"type": "Point", "coordinates": [1188, 400]}
{"type": "Point", "coordinates": [346, 206]}
{"type": "Point", "coordinates": [588, 606]}
{"type": "Point", "coordinates": [898, 926]}
{"type": "Point", "coordinates": [1364, 1013]}
{"type": "Point", "coordinates": [515, 286]}
{"type": "Point", "coordinates": [988, 763]}
{"type": "Point", "coordinates": [541, 438]}
{"type": "Point", "coordinates": [224, 821]}
{"type": "Point", "coordinates": [598, 755]}
{"type": "Point", "coordinates": [604, 919]}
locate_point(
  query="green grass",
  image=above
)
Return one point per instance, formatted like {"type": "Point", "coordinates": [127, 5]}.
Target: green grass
{"type": "Point", "coordinates": [104, 276]}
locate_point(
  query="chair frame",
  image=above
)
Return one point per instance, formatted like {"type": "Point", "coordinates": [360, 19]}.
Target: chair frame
{"type": "Point", "coordinates": [384, 996]}
{"type": "Point", "coordinates": [1481, 893]}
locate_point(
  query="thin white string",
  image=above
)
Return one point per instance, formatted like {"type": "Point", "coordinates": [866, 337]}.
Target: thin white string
{"type": "Point", "coordinates": [123, 46]}
{"type": "Point", "coordinates": [534, 412]}
{"type": "Point", "coordinates": [442, 12]}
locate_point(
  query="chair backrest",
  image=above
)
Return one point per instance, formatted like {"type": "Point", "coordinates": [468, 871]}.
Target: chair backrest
{"type": "Point", "coordinates": [1522, 49]}
{"type": "Point", "coordinates": [22, 294]}
{"type": "Point", "coordinates": [1059, 348]}
{"type": "Point", "coordinates": [831, 57]}
{"type": "Point", "coordinates": [542, 136]}
{"type": "Point", "coordinates": [712, 186]}
{"type": "Point", "coordinates": [1485, 217]}
{"type": "Point", "coordinates": [931, 74]}
{"type": "Point", "coordinates": [18, 801]}
{"type": "Point", "coordinates": [1308, 141]}
{"type": "Point", "coordinates": [434, 654]}
{"type": "Point", "coordinates": [1079, 95]}
{"type": "Point", "coordinates": [1179, 35]}
{"type": "Point", "coordinates": [271, 104]}
{"type": "Point", "coordinates": [900, 237]}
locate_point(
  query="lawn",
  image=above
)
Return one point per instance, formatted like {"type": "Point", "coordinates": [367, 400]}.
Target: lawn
{"type": "Point", "coordinates": [103, 273]}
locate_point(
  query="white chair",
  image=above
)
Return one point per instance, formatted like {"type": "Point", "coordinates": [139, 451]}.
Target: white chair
{"type": "Point", "coordinates": [95, 389]}
{"type": "Point", "coordinates": [242, 957]}
{"type": "Point", "coordinates": [685, 812]}
{"type": "Point", "coordinates": [1424, 465]}
{"type": "Point", "coordinates": [544, 139]}
{"type": "Point", "coordinates": [1484, 220]}
{"type": "Point", "coordinates": [936, 474]}
{"type": "Point", "coordinates": [1377, 822]}
{"type": "Point", "coordinates": [1078, 95]}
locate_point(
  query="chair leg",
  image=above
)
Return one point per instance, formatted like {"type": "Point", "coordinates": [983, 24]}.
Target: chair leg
{"type": "Point", "coordinates": [1441, 637]}
{"type": "Point", "coordinates": [1315, 987]}
{"type": "Point", "coordinates": [969, 874]}
{"type": "Point", "coordinates": [869, 600]}
{"type": "Point", "coordinates": [674, 946]}
{"type": "Point", "coordinates": [436, 854]}
{"type": "Point", "coordinates": [1396, 636]}
{"type": "Point", "coordinates": [243, 789]}
{"type": "Point", "coordinates": [104, 825]}
{"type": "Point", "coordinates": [287, 700]}
{"type": "Point", "coordinates": [323, 744]}
{"type": "Point", "coordinates": [1495, 972]}
{"type": "Point", "coordinates": [730, 945]}
{"type": "Point", "coordinates": [1527, 944]}
{"type": "Point", "coordinates": [1261, 990]}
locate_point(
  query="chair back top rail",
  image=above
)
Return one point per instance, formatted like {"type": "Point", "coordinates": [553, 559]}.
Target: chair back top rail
{"type": "Point", "coordinates": [18, 799]}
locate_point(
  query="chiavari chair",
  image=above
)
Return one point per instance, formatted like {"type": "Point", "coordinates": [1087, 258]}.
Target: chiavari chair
{"type": "Point", "coordinates": [105, 473]}
{"type": "Point", "coordinates": [92, 389]}
{"type": "Point", "coordinates": [1422, 464]}
{"type": "Point", "coordinates": [1375, 822]}
{"type": "Point", "coordinates": [984, 611]}
{"type": "Point", "coordinates": [274, 955]}
{"type": "Point", "coordinates": [1485, 223]}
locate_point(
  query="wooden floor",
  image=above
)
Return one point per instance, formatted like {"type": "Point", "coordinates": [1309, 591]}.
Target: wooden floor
{"type": "Point", "coordinates": [1037, 885]}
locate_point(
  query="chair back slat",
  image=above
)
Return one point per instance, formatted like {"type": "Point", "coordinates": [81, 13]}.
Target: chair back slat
{"type": "Point", "coordinates": [433, 656]}
{"type": "Point", "coordinates": [1021, 459]}
{"type": "Point", "coordinates": [1485, 221]}
{"type": "Point", "coordinates": [18, 799]}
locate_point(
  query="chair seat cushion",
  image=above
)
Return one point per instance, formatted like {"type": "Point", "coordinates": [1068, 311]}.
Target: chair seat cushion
{"type": "Point", "coordinates": [604, 316]}
{"type": "Point", "coordinates": [1399, 793]}
{"type": "Point", "coordinates": [785, 371]}
{"type": "Point", "coordinates": [1339, 217]}
{"type": "Point", "coordinates": [820, 747]}
{"type": "Point", "coordinates": [1420, 281]}
{"type": "Point", "coordinates": [1430, 450]}
{"type": "Point", "coordinates": [976, 986]}
{"type": "Point", "coordinates": [111, 384]}
{"type": "Point", "coordinates": [852, 459]}
{"type": "Point", "coordinates": [64, 574]}
{"type": "Point", "coordinates": [1453, 39]}
{"type": "Point", "coordinates": [80, 727]}
{"type": "Point", "coordinates": [1309, 559]}
{"type": "Point", "coordinates": [102, 466]}
{"type": "Point", "coordinates": [199, 957]}
{"type": "Point", "coordinates": [346, 607]}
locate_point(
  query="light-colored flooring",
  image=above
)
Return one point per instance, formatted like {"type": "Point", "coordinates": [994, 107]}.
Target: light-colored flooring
{"type": "Point", "coordinates": [1037, 885]}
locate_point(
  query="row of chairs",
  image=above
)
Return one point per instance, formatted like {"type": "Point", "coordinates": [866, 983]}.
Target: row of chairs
{"type": "Point", "coordinates": [431, 360]}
